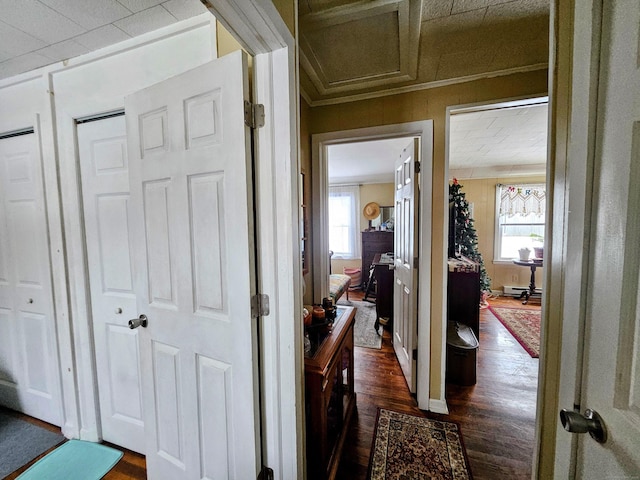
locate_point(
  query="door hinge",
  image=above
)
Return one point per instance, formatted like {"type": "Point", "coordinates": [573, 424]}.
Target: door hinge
{"type": "Point", "coordinates": [265, 474]}
{"type": "Point", "coordinates": [253, 114]}
{"type": "Point", "coordinates": [416, 167]}
{"type": "Point", "coordinates": [416, 262]}
{"type": "Point", "coordinates": [415, 354]}
{"type": "Point", "coordinates": [260, 305]}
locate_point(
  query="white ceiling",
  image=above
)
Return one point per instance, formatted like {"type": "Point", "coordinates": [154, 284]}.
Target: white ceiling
{"type": "Point", "coordinates": [364, 162]}
{"type": "Point", "coordinates": [35, 33]}
{"type": "Point", "coordinates": [493, 142]}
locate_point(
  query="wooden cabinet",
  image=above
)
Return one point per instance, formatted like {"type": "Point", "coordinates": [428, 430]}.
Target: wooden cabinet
{"type": "Point", "coordinates": [384, 288]}
{"type": "Point", "coordinates": [373, 242]}
{"type": "Point", "coordinates": [330, 397]}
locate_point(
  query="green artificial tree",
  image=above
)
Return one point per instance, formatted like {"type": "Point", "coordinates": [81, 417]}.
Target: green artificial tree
{"type": "Point", "coordinates": [466, 235]}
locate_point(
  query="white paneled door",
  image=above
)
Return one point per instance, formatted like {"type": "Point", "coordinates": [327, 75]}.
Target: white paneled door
{"type": "Point", "coordinates": [104, 167]}
{"type": "Point", "coordinates": [29, 367]}
{"type": "Point", "coordinates": [191, 228]}
{"type": "Point", "coordinates": [611, 360]}
{"type": "Point", "coordinates": [405, 301]}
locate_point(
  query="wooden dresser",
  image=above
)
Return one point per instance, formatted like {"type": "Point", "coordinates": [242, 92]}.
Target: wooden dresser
{"type": "Point", "coordinates": [373, 242]}
{"type": "Point", "coordinates": [330, 397]}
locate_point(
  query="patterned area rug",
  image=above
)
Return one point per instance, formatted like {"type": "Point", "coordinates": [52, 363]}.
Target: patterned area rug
{"type": "Point", "coordinates": [409, 447]}
{"type": "Point", "coordinates": [364, 335]}
{"type": "Point", "coordinates": [524, 325]}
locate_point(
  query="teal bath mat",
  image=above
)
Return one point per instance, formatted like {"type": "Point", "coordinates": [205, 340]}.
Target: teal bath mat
{"type": "Point", "coordinates": [74, 460]}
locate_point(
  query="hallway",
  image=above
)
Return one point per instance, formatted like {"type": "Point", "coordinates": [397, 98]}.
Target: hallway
{"type": "Point", "coordinates": [496, 416]}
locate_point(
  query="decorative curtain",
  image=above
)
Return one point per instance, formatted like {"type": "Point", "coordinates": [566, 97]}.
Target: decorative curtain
{"type": "Point", "coordinates": [522, 200]}
{"type": "Point", "coordinates": [344, 211]}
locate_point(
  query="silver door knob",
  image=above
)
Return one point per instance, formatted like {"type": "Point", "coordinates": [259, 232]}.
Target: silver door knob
{"type": "Point", "coordinates": [590, 422]}
{"type": "Point", "coordinates": [141, 321]}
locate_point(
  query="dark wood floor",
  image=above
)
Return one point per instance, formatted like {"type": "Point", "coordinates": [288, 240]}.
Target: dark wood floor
{"type": "Point", "coordinates": [496, 416]}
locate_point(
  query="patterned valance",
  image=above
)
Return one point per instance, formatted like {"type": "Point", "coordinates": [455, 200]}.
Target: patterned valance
{"type": "Point", "coordinates": [522, 199]}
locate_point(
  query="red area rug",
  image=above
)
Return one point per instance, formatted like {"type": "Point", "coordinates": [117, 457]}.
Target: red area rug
{"type": "Point", "coordinates": [524, 325]}
{"type": "Point", "coordinates": [411, 447]}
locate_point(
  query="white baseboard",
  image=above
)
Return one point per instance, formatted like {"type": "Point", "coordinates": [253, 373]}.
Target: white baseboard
{"type": "Point", "coordinates": [437, 405]}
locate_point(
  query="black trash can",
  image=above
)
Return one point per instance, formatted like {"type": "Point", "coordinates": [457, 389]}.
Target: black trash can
{"type": "Point", "coordinates": [462, 348]}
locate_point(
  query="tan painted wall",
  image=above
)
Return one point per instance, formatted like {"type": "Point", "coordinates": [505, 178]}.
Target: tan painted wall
{"type": "Point", "coordinates": [287, 10]}
{"type": "Point", "coordinates": [482, 193]}
{"type": "Point", "coordinates": [421, 105]}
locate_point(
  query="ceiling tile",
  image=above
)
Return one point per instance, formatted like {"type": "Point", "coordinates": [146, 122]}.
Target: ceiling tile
{"type": "Point", "coordinates": [16, 42]}
{"type": "Point", "coordinates": [89, 14]}
{"type": "Point", "coordinates": [468, 5]}
{"type": "Point", "coordinates": [23, 63]}
{"type": "Point", "coordinates": [139, 5]}
{"type": "Point", "coordinates": [356, 49]}
{"type": "Point", "coordinates": [436, 9]}
{"type": "Point", "coordinates": [102, 37]}
{"type": "Point", "coordinates": [183, 9]}
{"type": "Point", "coordinates": [63, 50]}
{"type": "Point", "coordinates": [464, 63]}
{"type": "Point", "coordinates": [38, 20]}
{"type": "Point", "coordinates": [146, 21]}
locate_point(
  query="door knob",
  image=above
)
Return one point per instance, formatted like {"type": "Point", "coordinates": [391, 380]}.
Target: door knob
{"type": "Point", "coordinates": [141, 321]}
{"type": "Point", "coordinates": [591, 422]}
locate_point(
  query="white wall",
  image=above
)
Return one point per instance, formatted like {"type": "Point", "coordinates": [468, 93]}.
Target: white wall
{"type": "Point", "coordinates": [50, 100]}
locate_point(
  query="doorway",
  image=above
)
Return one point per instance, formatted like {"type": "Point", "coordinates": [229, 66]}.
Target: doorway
{"type": "Point", "coordinates": [497, 156]}
{"type": "Point", "coordinates": [320, 157]}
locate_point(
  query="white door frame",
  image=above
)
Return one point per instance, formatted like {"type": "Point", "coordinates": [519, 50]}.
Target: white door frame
{"type": "Point", "coordinates": [261, 30]}
{"type": "Point", "coordinates": [573, 86]}
{"type": "Point", "coordinates": [320, 143]}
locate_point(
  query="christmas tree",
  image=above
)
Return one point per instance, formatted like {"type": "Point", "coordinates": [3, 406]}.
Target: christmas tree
{"type": "Point", "coordinates": [466, 236]}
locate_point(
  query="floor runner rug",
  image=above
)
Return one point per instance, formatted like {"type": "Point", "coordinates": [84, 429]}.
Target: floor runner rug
{"type": "Point", "coordinates": [74, 460]}
{"type": "Point", "coordinates": [524, 325]}
{"type": "Point", "coordinates": [21, 442]}
{"type": "Point", "coordinates": [411, 447]}
{"type": "Point", "coordinates": [364, 335]}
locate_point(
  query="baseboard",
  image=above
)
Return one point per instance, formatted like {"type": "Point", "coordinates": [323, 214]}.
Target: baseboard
{"type": "Point", "coordinates": [437, 405]}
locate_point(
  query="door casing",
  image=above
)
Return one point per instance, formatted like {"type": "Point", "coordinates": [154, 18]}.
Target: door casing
{"type": "Point", "coordinates": [320, 142]}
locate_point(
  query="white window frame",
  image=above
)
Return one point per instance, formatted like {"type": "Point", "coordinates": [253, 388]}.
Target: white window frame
{"type": "Point", "coordinates": [352, 191]}
{"type": "Point", "coordinates": [497, 237]}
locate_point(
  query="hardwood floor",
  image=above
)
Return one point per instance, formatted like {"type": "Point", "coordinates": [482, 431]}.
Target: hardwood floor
{"type": "Point", "coordinates": [496, 416]}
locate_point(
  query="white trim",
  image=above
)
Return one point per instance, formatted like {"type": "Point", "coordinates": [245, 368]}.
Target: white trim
{"type": "Point", "coordinates": [437, 405]}
{"type": "Point", "coordinates": [320, 142]}
{"type": "Point", "coordinates": [257, 25]}
{"type": "Point", "coordinates": [575, 48]}
{"type": "Point", "coordinates": [423, 86]}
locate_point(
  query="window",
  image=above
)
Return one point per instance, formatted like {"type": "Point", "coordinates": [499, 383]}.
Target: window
{"type": "Point", "coordinates": [519, 219]}
{"type": "Point", "coordinates": [344, 207]}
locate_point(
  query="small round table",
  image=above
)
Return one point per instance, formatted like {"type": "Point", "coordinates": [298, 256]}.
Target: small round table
{"type": "Point", "coordinates": [532, 264]}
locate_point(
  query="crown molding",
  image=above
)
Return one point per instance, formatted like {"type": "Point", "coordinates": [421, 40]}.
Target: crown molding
{"type": "Point", "coordinates": [421, 86]}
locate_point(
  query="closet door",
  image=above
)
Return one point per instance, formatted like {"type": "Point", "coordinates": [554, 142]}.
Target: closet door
{"type": "Point", "coordinates": [29, 367]}
{"type": "Point", "coordinates": [104, 166]}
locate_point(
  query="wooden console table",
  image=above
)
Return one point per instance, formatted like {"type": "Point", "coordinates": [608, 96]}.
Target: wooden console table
{"type": "Point", "coordinates": [330, 397]}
